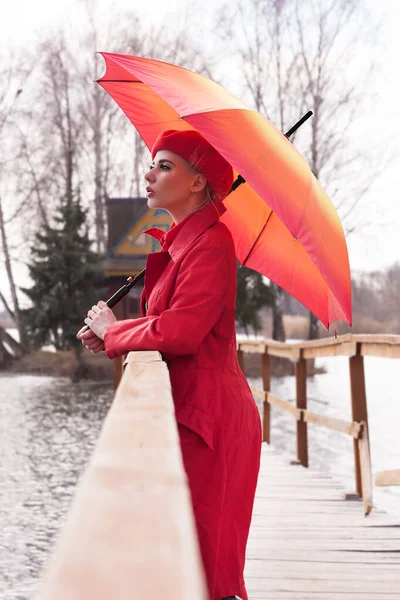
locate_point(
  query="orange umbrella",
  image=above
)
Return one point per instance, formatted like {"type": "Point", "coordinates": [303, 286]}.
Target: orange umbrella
{"type": "Point", "coordinates": [282, 222]}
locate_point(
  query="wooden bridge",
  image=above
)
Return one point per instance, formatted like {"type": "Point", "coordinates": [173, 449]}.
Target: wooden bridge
{"type": "Point", "coordinates": [308, 543]}
{"type": "Point", "coordinates": [130, 532]}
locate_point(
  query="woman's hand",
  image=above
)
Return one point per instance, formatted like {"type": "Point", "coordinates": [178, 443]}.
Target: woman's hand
{"type": "Point", "coordinates": [99, 318]}
{"type": "Point", "coordinates": [90, 340]}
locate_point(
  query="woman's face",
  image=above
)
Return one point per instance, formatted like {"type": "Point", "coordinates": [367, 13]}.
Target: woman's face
{"type": "Point", "coordinates": [169, 182]}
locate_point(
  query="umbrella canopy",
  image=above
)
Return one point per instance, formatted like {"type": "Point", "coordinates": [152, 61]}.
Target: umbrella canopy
{"type": "Point", "coordinates": [282, 222]}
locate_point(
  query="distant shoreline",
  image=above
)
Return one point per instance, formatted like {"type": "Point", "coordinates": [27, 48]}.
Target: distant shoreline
{"type": "Point", "coordinates": [101, 368]}
{"type": "Point", "coordinates": [61, 364]}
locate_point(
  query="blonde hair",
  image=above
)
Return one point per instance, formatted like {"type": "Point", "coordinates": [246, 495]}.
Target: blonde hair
{"type": "Point", "coordinates": [196, 165]}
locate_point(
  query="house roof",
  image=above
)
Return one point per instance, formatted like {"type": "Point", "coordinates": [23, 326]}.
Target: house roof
{"type": "Point", "coordinates": [122, 213]}
{"type": "Point", "coordinates": [123, 266]}
{"type": "Point", "coordinates": [127, 247]}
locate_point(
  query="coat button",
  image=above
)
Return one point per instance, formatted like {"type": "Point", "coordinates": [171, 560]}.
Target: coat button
{"type": "Point", "coordinates": [146, 306]}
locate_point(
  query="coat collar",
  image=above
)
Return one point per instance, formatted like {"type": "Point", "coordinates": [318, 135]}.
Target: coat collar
{"type": "Point", "coordinates": [190, 230]}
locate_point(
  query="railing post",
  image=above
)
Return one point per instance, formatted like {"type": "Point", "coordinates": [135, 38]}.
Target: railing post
{"type": "Point", "coordinates": [365, 467]}
{"type": "Point", "coordinates": [301, 402]}
{"type": "Point", "coordinates": [266, 379]}
{"type": "Point", "coordinates": [359, 409]}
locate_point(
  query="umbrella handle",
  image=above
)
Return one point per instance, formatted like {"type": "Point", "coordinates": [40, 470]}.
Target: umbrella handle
{"type": "Point", "coordinates": [122, 292]}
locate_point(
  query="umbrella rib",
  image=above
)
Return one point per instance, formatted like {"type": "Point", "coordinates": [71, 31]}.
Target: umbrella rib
{"type": "Point", "coordinates": [256, 240]}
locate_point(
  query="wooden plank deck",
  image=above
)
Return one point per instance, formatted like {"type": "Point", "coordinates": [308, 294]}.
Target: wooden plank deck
{"type": "Point", "coordinates": [308, 543]}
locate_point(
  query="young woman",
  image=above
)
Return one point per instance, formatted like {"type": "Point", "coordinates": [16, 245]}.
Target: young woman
{"type": "Point", "coordinates": [188, 308]}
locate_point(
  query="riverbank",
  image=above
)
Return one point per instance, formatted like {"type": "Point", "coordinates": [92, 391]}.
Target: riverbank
{"type": "Point", "coordinates": [100, 368]}
{"type": "Point", "coordinates": [62, 364]}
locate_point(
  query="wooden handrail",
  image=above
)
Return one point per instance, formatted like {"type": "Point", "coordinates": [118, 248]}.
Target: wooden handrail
{"type": "Point", "coordinates": [351, 428]}
{"type": "Point", "coordinates": [355, 347]}
{"type": "Point", "coordinates": [388, 478]}
{"type": "Point", "coordinates": [387, 346]}
{"type": "Point", "coordinates": [130, 532]}
{"type": "Point", "coordinates": [283, 405]}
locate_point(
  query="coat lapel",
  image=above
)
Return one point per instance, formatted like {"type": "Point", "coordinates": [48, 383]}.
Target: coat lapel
{"type": "Point", "coordinates": [157, 261]}
{"type": "Point", "coordinates": [197, 225]}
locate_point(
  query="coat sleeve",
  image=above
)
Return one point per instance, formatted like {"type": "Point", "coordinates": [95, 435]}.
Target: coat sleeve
{"type": "Point", "coordinates": [197, 302]}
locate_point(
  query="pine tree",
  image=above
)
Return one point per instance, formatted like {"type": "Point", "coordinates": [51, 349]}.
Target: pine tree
{"type": "Point", "coordinates": [67, 280]}
{"type": "Point", "coordinates": [251, 295]}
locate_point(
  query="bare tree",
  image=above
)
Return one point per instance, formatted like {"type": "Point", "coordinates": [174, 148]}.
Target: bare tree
{"type": "Point", "coordinates": [102, 119]}
{"type": "Point", "coordinates": [16, 313]}
{"type": "Point", "coordinates": [298, 56]}
{"type": "Point", "coordinates": [327, 38]}
{"type": "Point", "coordinates": [52, 136]}
{"type": "Point", "coordinates": [267, 76]}
{"type": "Point", "coordinates": [376, 297]}
{"type": "Point", "coordinates": [113, 152]}
{"type": "Point", "coordinates": [68, 137]}
{"type": "Point", "coordinates": [389, 297]}
{"type": "Point", "coordinates": [13, 80]}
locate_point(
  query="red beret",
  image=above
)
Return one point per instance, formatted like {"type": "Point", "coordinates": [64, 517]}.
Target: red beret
{"type": "Point", "coordinates": [191, 146]}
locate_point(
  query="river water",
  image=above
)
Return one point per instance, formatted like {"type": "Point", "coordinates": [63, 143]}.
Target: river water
{"type": "Point", "coordinates": [49, 427]}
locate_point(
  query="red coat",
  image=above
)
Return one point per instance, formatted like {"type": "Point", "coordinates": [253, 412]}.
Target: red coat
{"type": "Point", "coordinates": [189, 307]}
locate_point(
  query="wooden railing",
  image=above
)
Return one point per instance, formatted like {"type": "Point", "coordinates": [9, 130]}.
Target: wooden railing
{"type": "Point", "coordinates": [353, 346]}
{"type": "Point", "coordinates": [130, 532]}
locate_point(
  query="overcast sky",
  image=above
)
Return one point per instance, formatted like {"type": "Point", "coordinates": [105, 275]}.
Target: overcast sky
{"type": "Point", "coordinates": [23, 20]}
